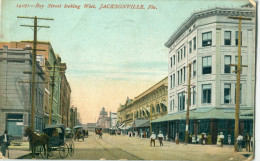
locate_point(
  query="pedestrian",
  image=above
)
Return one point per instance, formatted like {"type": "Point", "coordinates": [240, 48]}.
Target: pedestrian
{"type": "Point", "coordinates": [218, 140]}
{"type": "Point", "coordinates": [152, 139]}
{"type": "Point", "coordinates": [5, 142]}
{"type": "Point", "coordinates": [247, 141]}
{"type": "Point", "coordinates": [194, 139]}
{"type": "Point", "coordinates": [160, 136]}
{"type": "Point", "coordinates": [209, 139]}
{"type": "Point", "coordinates": [239, 142]}
{"type": "Point", "coordinates": [221, 139]}
{"type": "Point", "coordinates": [100, 134]}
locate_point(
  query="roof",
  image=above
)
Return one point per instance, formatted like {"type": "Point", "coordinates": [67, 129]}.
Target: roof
{"type": "Point", "coordinates": [103, 111]}
{"type": "Point", "coordinates": [247, 12]}
{"type": "Point", "coordinates": [55, 126]}
{"type": "Point", "coordinates": [202, 113]}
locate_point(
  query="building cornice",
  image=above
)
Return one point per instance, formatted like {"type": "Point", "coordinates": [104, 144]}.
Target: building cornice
{"type": "Point", "coordinates": [247, 12]}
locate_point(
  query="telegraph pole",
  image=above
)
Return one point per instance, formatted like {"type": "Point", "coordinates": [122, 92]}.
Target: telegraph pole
{"type": "Point", "coordinates": [35, 29]}
{"type": "Point", "coordinates": [188, 107]}
{"type": "Point", "coordinates": [52, 91]}
{"type": "Point", "coordinates": [151, 116]}
{"type": "Point", "coordinates": [239, 18]}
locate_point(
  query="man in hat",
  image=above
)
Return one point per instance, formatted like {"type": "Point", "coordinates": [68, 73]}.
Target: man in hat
{"type": "Point", "coordinates": [5, 142]}
{"type": "Point", "coordinates": [152, 139]}
{"type": "Point", "coordinates": [160, 136]}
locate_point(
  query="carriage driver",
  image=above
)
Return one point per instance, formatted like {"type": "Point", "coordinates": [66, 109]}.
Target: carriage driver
{"type": "Point", "coordinates": [55, 132]}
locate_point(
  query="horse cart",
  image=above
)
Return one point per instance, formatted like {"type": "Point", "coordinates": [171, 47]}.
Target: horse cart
{"type": "Point", "coordinates": [79, 133]}
{"type": "Point", "coordinates": [57, 142]}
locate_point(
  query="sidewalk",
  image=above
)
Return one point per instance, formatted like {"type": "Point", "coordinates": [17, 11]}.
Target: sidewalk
{"type": "Point", "coordinates": [17, 149]}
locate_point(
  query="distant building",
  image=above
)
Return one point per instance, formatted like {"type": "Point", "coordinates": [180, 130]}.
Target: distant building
{"type": "Point", "coordinates": [15, 91]}
{"type": "Point", "coordinates": [113, 119]}
{"type": "Point", "coordinates": [91, 126]}
{"type": "Point", "coordinates": [103, 120]}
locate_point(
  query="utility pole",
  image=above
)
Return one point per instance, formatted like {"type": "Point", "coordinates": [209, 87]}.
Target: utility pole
{"type": "Point", "coordinates": [188, 107]}
{"type": "Point", "coordinates": [151, 116]}
{"type": "Point", "coordinates": [35, 29]}
{"type": "Point", "coordinates": [240, 18]}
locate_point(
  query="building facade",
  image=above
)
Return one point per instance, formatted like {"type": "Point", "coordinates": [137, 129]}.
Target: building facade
{"type": "Point", "coordinates": [15, 91]}
{"type": "Point", "coordinates": [149, 105]}
{"type": "Point", "coordinates": [208, 41]}
{"type": "Point", "coordinates": [54, 76]}
{"type": "Point", "coordinates": [64, 96]}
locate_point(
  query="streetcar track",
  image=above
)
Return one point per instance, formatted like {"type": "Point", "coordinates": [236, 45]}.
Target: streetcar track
{"type": "Point", "coordinates": [106, 149]}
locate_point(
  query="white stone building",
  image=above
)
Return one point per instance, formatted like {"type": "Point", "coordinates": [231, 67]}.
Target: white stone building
{"type": "Point", "coordinates": [209, 40]}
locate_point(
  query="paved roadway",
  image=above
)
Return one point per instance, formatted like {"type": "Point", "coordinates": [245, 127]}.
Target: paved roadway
{"type": "Point", "coordinates": [129, 148]}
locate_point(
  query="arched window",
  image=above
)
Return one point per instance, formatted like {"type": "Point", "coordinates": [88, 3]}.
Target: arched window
{"type": "Point", "coordinates": [153, 111]}
{"type": "Point", "coordinates": [158, 108]}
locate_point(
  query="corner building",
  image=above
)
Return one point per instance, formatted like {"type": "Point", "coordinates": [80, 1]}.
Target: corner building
{"type": "Point", "coordinates": [209, 40]}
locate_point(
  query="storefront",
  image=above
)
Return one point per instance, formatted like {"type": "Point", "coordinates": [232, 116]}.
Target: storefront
{"type": "Point", "coordinates": [205, 120]}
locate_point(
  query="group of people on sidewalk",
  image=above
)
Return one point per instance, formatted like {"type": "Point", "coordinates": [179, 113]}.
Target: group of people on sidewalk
{"type": "Point", "coordinates": [153, 137]}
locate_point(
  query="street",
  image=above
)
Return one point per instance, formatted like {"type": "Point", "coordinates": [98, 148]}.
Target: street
{"type": "Point", "coordinates": [131, 148]}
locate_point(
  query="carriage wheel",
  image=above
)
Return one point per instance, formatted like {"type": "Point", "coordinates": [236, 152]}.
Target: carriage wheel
{"type": "Point", "coordinates": [43, 152]}
{"type": "Point", "coordinates": [50, 153]}
{"type": "Point", "coordinates": [71, 149]}
{"type": "Point", "coordinates": [63, 151]}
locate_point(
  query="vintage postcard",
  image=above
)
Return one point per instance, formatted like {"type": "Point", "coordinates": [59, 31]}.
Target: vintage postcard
{"type": "Point", "coordinates": [128, 79]}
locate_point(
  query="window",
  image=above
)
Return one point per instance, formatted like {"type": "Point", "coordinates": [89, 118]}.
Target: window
{"type": "Point", "coordinates": [171, 62]}
{"type": "Point", "coordinates": [178, 77]}
{"type": "Point", "coordinates": [239, 94]}
{"type": "Point", "coordinates": [173, 104]}
{"type": "Point", "coordinates": [171, 81]}
{"type": "Point", "coordinates": [227, 37]}
{"type": "Point", "coordinates": [206, 93]}
{"type": "Point", "coordinates": [206, 65]}
{"type": "Point", "coordinates": [237, 38]}
{"type": "Point", "coordinates": [194, 68]}
{"type": "Point", "coordinates": [237, 64]}
{"type": "Point", "coordinates": [181, 54]}
{"type": "Point", "coordinates": [194, 43]}
{"type": "Point", "coordinates": [173, 59]}
{"type": "Point", "coordinates": [178, 56]}
{"type": "Point", "coordinates": [183, 74]}
{"type": "Point", "coordinates": [181, 101]}
{"type": "Point", "coordinates": [184, 51]}
{"type": "Point", "coordinates": [190, 47]}
{"type": "Point", "coordinates": [194, 95]}
{"type": "Point", "coordinates": [227, 93]}
{"type": "Point", "coordinates": [227, 63]}
{"type": "Point", "coordinates": [207, 39]}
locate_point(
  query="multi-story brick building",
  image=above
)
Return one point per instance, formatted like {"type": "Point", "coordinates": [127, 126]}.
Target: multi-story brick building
{"type": "Point", "coordinates": [15, 91]}
{"type": "Point", "coordinates": [209, 40]}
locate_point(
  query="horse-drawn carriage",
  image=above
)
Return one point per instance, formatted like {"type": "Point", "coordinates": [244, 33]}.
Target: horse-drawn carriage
{"type": "Point", "coordinates": [79, 134]}
{"type": "Point", "coordinates": [52, 140]}
{"type": "Point", "coordinates": [57, 141]}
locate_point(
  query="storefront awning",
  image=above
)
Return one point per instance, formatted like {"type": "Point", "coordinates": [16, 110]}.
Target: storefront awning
{"type": "Point", "coordinates": [203, 113]}
{"type": "Point", "coordinates": [141, 122]}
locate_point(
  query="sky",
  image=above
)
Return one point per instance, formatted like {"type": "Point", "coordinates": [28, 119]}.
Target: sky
{"type": "Point", "coordinates": [111, 54]}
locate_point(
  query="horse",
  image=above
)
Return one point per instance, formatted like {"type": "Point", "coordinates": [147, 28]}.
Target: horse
{"type": "Point", "coordinates": [37, 140]}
